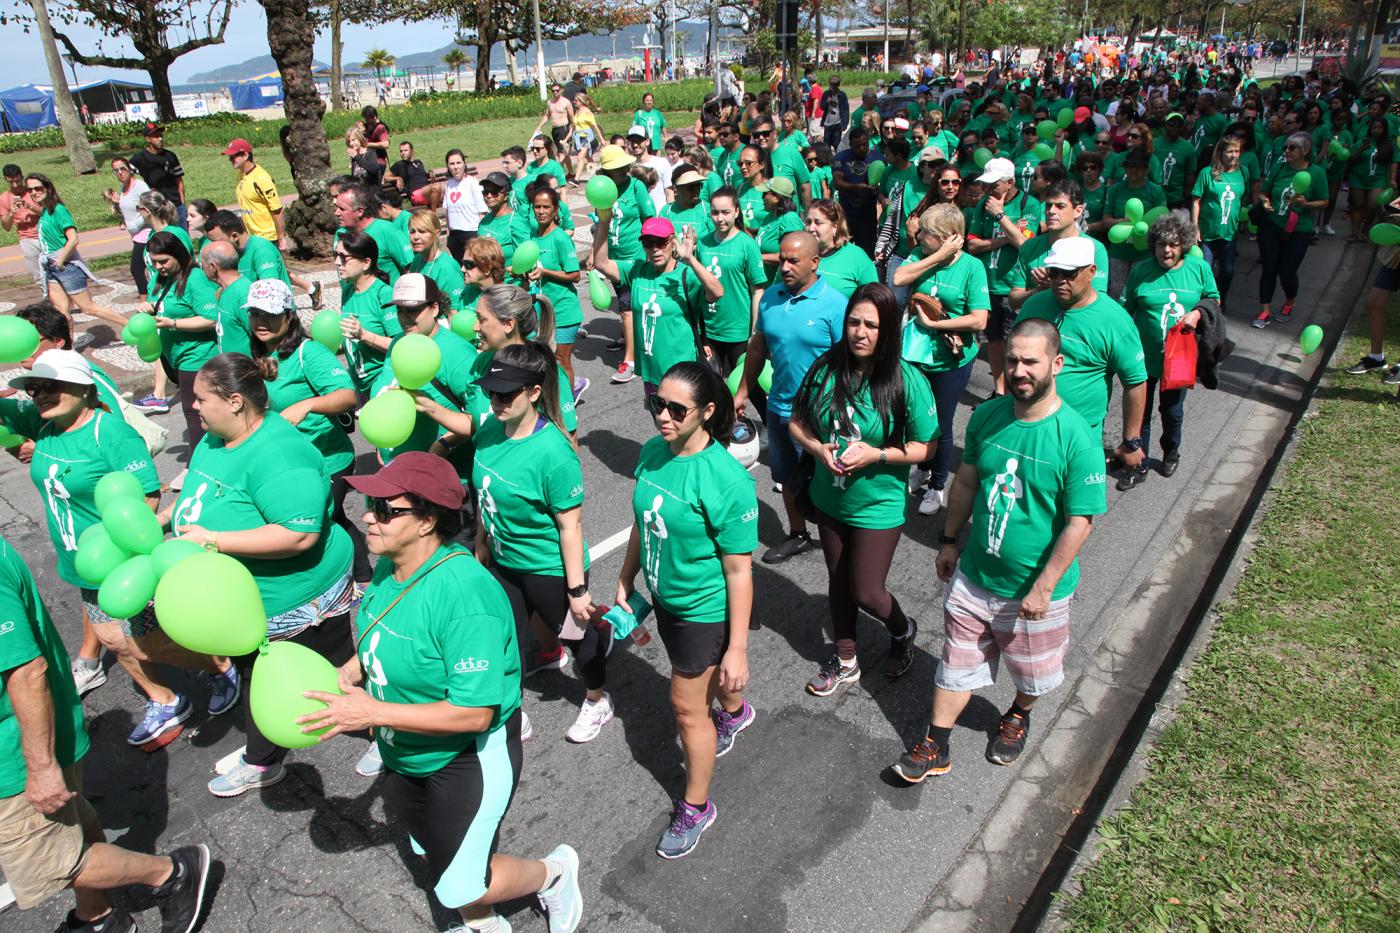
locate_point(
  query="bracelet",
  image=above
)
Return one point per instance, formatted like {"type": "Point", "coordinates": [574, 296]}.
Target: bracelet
{"type": "Point", "coordinates": [212, 544]}
{"type": "Point", "coordinates": [945, 540]}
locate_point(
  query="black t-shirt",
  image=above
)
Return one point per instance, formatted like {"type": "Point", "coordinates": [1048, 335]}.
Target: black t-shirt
{"type": "Point", "coordinates": [412, 172]}
{"type": "Point", "coordinates": [161, 171]}
{"type": "Point", "coordinates": [572, 90]}
{"type": "Point", "coordinates": [366, 168]}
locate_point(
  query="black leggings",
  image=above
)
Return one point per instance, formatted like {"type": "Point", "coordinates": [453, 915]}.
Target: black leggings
{"type": "Point", "coordinates": [332, 640]}
{"type": "Point", "coordinates": [457, 241]}
{"type": "Point", "coordinates": [138, 269]}
{"type": "Point", "coordinates": [857, 562]}
{"type": "Point", "coordinates": [1280, 257]}
{"type": "Point", "coordinates": [727, 353]}
{"type": "Point", "coordinates": [548, 596]}
{"type": "Point", "coordinates": [360, 569]}
{"type": "Point", "coordinates": [194, 431]}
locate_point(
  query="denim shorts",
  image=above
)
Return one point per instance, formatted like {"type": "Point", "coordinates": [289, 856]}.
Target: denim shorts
{"type": "Point", "coordinates": [333, 602]}
{"type": "Point", "coordinates": [72, 278]}
{"type": "Point", "coordinates": [782, 449]}
{"type": "Point", "coordinates": [138, 626]}
{"type": "Point", "coordinates": [564, 336]}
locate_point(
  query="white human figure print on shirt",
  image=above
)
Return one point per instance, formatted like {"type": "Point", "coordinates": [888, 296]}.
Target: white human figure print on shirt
{"type": "Point", "coordinates": [654, 536]}
{"type": "Point", "coordinates": [60, 504]}
{"type": "Point", "coordinates": [1001, 502]}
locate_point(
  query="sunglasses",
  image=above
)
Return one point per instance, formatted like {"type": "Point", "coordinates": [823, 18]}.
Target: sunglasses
{"type": "Point", "coordinates": [759, 134]}
{"type": "Point", "coordinates": [652, 242]}
{"type": "Point", "coordinates": [954, 182]}
{"type": "Point", "coordinates": [342, 257]}
{"type": "Point", "coordinates": [506, 397]}
{"type": "Point", "coordinates": [1135, 136]}
{"type": "Point", "coordinates": [120, 171]}
{"type": "Point", "coordinates": [468, 264]}
{"type": "Point", "coordinates": [384, 512]}
{"type": "Point", "coordinates": [38, 386]}
{"type": "Point", "coordinates": [1063, 274]}
{"type": "Point", "coordinates": [35, 188]}
{"type": "Point", "coordinates": [537, 149]}
{"type": "Point", "coordinates": [749, 162]}
{"type": "Point", "coordinates": [656, 405]}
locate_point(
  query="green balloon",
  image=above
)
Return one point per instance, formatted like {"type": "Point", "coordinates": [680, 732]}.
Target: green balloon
{"type": "Point", "coordinates": [1042, 151]}
{"type": "Point", "coordinates": [1196, 251]}
{"type": "Point", "coordinates": [526, 255]}
{"type": "Point", "coordinates": [876, 172]}
{"type": "Point", "coordinates": [18, 339]}
{"type": "Point", "coordinates": [598, 292]}
{"type": "Point", "coordinates": [1064, 118]}
{"type": "Point", "coordinates": [1337, 149]}
{"type": "Point", "coordinates": [142, 325]}
{"type": "Point", "coordinates": [416, 360]}
{"type": "Point", "coordinates": [1139, 241]}
{"type": "Point", "coordinates": [116, 485]}
{"type": "Point", "coordinates": [132, 525]}
{"type": "Point", "coordinates": [1311, 338]}
{"type": "Point", "coordinates": [981, 155]}
{"type": "Point", "coordinates": [1133, 209]}
{"type": "Point", "coordinates": [765, 377]}
{"type": "Point", "coordinates": [169, 553]}
{"type": "Point", "coordinates": [1151, 216]}
{"type": "Point", "coordinates": [98, 555]}
{"type": "Point", "coordinates": [1386, 196]}
{"type": "Point", "coordinates": [737, 374]}
{"type": "Point", "coordinates": [210, 604]}
{"type": "Point", "coordinates": [601, 192]}
{"type": "Point", "coordinates": [128, 589]}
{"type": "Point", "coordinates": [148, 348]}
{"type": "Point", "coordinates": [1045, 129]}
{"type": "Point", "coordinates": [9, 439]}
{"type": "Point", "coordinates": [128, 337]}
{"type": "Point", "coordinates": [387, 420]}
{"type": "Point", "coordinates": [1302, 182]}
{"type": "Point", "coordinates": [1140, 228]}
{"type": "Point", "coordinates": [1385, 234]}
{"type": "Point", "coordinates": [282, 672]}
{"type": "Point", "coordinates": [325, 329]}
{"type": "Point", "coordinates": [1119, 233]}
{"type": "Point", "coordinates": [464, 324]}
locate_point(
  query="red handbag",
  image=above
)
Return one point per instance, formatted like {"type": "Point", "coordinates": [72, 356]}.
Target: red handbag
{"type": "Point", "coordinates": [1179, 360]}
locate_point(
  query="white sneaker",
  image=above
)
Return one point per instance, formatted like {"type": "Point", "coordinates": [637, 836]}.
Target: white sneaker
{"type": "Point", "coordinates": [918, 479]}
{"type": "Point", "coordinates": [371, 762]}
{"type": "Point", "coordinates": [562, 901]}
{"type": "Point", "coordinates": [931, 502]}
{"type": "Point", "coordinates": [1327, 229]}
{"type": "Point", "coordinates": [527, 728]}
{"type": "Point", "coordinates": [592, 717]}
{"type": "Point", "coordinates": [88, 679]}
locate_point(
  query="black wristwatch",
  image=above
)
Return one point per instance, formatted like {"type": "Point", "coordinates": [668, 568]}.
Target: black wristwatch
{"type": "Point", "coordinates": [577, 591]}
{"type": "Point", "coordinates": [944, 540]}
{"type": "Point", "coordinates": [1132, 443]}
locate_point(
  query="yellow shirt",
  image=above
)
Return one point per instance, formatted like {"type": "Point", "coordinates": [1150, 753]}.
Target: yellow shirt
{"type": "Point", "coordinates": [257, 195]}
{"type": "Point", "coordinates": [584, 120]}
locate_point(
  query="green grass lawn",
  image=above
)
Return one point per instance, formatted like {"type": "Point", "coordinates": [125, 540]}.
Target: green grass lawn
{"type": "Point", "coordinates": [208, 175]}
{"type": "Point", "coordinates": [1273, 801]}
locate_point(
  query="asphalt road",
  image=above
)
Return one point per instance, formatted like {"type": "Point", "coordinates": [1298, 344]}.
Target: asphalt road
{"type": "Point", "coordinates": [812, 834]}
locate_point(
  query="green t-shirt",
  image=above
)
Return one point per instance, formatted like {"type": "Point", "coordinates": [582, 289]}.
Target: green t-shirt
{"type": "Point", "coordinates": [1150, 194]}
{"type": "Point", "coordinates": [1094, 203]}
{"type": "Point", "coordinates": [231, 329]}
{"type": "Point", "coordinates": [1221, 202]}
{"type": "Point", "coordinates": [374, 309]}
{"type": "Point", "coordinates": [274, 477]}
{"type": "Point", "coordinates": [66, 467]}
{"type": "Point", "coordinates": [961, 287]}
{"type": "Point", "coordinates": [455, 374]}
{"type": "Point", "coordinates": [1176, 162]}
{"type": "Point", "coordinates": [690, 511]}
{"type": "Point", "coordinates": [655, 123]}
{"type": "Point", "coordinates": [187, 350]}
{"type": "Point", "coordinates": [738, 265]}
{"type": "Point", "coordinates": [508, 228]}
{"type": "Point", "coordinates": [445, 273]}
{"type": "Point", "coordinates": [548, 167]}
{"type": "Point", "coordinates": [770, 237]}
{"type": "Point", "coordinates": [1336, 167]}
{"type": "Point", "coordinates": [727, 168]}
{"type": "Point", "coordinates": [1025, 162]}
{"type": "Point", "coordinates": [1032, 476]}
{"type": "Point", "coordinates": [1207, 133]}
{"type": "Point", "coordinates": [821, 181]}
{"type": "Point", "coordinates": [751, 207]}
{"type": "Point", "coordinates": [665, 306]}
{"type": "Point", "coordinates": [847, 269]}
{"type": "Point", "coordinates": [633, 206]}
{"type": "Point", "coordinates": [395, 252]}
{"type": "Point", "coordinates": [310, 372]}
{"type": "Point", "coordinates": [914, 191]}
{"type": "Point", "coordinates": [450, 637]}
{"type": "Point", "coordinates": [1099, 342]}
{"type": "Point", "coordinates": [874, 497]}
{"type": "Point", "coordinates": [261, 259]}
{"type": "Point", "coordinates": [1158, 298]}
{"type": "Point", "coordinates": [1368, 170]}
{"type": "Point", "coordinates": [787, 163]}
{"type": "Point", "coordinates": [557, 252]}
{"type": "Point", "coordinates": [521, 485]}
{"type": "Point", "coordinates": [1027, 213]}
{"type": "Point", "coordinates": [479, 403]}
{"type": "Point", "coordinates": [52, 224]}
{"type": "Point", "coordinates": [1032, 256]}
{"type": "Point", "coordinates": [1249, 165]}
{"type": "Point", "coordinates": [1279, 188]}
{"type": "Point", "coordinates": [696, 218]}
{"type": "Point", "coordinates": [28, 633]}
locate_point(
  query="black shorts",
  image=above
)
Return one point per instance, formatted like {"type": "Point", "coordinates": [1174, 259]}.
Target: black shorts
{"type": "Point", "coordinates": [454, 815]}
{"type": "Point", "coordinates": [1001, 319]}
{"type": "Point", "coordinates": [1387, 279]}
{"type": "Point", "coordinates": [692, 647]}
{"type": "Point", "coordinates": [561, 134]}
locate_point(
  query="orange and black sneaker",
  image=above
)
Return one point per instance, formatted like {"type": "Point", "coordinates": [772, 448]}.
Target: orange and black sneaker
{"type": "Point", "coordinates": [1010, 739]}
{"type": "Point", "coordinates": [926, 759]}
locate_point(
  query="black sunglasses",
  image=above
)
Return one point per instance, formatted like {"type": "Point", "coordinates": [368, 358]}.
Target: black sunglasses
{"type": "Point", "coordinates": [506, 397]}
{"type": "Point", "coordinates": [468, 264]}
{"type": "Point", "coordinates": [651, 242]}
{"type": "Point", "coordinates": [36, 386]}
{"type": "Point", "coordinates": [656, 405]}
{"type": "Point", "coordinates": [384, 512]}
{"type": "Point", "coordinates": [760, 133]}
{"type": "Point", "coordinates": [1063, 273]}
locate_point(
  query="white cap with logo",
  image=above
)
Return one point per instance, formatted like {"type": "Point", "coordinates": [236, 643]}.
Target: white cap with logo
{"type": "Point", "coordinates": [1071, 253]}
{"type": "Point", "coordinates": [997, 170]}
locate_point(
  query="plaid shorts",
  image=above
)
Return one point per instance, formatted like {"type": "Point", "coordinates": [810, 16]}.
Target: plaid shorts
{"type": "Point", "coordinates": [982, 629]}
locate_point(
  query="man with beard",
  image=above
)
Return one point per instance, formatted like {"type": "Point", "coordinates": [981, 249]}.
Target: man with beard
{"type": "Point", "coordinates": [1031, 482]}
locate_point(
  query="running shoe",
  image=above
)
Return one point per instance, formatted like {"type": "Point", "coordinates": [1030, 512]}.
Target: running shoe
{"type": "Point", "coordinates": [244, 777]}
{"type": "Point", "coordinates": [918, 479]}
{"type": "Point", "coordinates": [1367, 364]}
{"type": "Point", "coordinates": [563, 901]}
{"type": "Point", "coordinates": [1131, 479]}
{"type": "Point", "coordinates": [794, 545]}
{"type": "Point", "coordinates": [592, 717]}
{"type": "Point", "coordinates": [1328, 229]}
{"type": "Point", "coordinates": [1010, 739]}
{"type": "Point", "coordinates": [925, 759]}
{"type": "Point", "coordinates": [1261, 320]}
{"type": "Point", "coordinates": [626, 372]}
{"type": "Point", "coordinates": [932, 501]}
{"type": "Point", "coordinates": [181, 897]}
{"type": "Point", "coordinates": [687, 825]}
{"type": "Point", "coordinates": [831, 675]}
{"type": "Point", "coordinates": [527, 728]}
{"type": "Point", "coordinates": [160, 718]}
{"type": "Point", "coordinates": [118, 921]}
{"type": "Point", "coordinates": [227, 688]}
{"type": "Point", "coordinates": [1170, 461]}
{"type": "Point", "coordinates": [1286, 312]}
{"type": "Point", "coordinates": [901, 656]}
{"type": "Point", "coordinates": [88, 679]}
{"type": "Point", "coordinates": [1392, 378]}
{"type": "Point", "coordinates": [618, 344]}
{"type": "Point", "coordinates": [153, 404]}
{"type": "Point", "coordinates": [728, 726]}
{"type": "Point", "coordinates": [581, 385]}
{"type": "Point", "coordinates": [84, 340]}
{"type": "Point", "coordinates": [371, 762]}
{"type": "Point", "coordinates": [537, 660]}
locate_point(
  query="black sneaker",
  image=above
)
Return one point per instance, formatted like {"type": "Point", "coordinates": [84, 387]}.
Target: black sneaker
{"type": "Point", "coordinates": [925, 759]}
{"type": "Point", "coordinates": [1010, 740]}
{"type": "Point", "coordinates": [617, 344]}
{"type": "Point", "coordinates": [1170, 461]}
{"type": "Point", "coordinates": [1367, 364]}
{"type": "Point", "coordinates": [118, 921]}
{"type": "Point", "coordinates": [792, 546]}
{"type": "Point", "coordinates": [901, 656]}
{"type": "Point", "coordinates": [181, 898]}
{"type": "Point", "coordinates": [1132, 478]}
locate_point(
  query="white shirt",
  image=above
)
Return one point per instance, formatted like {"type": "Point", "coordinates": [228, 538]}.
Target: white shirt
{"type": "Point", "coordinates": [464, 203]}
{"type": "Point", "coordinates": [664, 171]}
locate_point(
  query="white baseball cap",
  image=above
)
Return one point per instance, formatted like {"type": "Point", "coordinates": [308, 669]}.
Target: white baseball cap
{"type": "Point", "coordinates": [58, 365]}
{"type": "Point", "coordinates": [1071, 253]}
{"type": "Point", "coordinates": [638, 131]}
{"type": "Point", "coordinates": [997, 170]}
{"type": "Point", "coordinates": [270, 296]}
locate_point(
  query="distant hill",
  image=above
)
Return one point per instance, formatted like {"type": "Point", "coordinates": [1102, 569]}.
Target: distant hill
{"type": "Point", "coordinates": [239, 72]}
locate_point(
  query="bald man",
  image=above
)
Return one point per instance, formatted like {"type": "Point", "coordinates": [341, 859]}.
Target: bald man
{"type": "Point", "coordinates": [219, 260]}
{"type": "Point", "coordinates": [799, 318]}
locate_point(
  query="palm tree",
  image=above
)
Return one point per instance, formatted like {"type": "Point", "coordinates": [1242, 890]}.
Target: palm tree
{"type": "Point", "coordinates": [456, 59]}
{"type": "Point", "coordinates": [379, 60]}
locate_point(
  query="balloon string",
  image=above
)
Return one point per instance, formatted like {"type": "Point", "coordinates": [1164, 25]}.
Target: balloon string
{"type": "Point", "coordinates": [263, 646]}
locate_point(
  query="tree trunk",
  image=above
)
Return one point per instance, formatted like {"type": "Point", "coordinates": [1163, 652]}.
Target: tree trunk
{"type": "Point", "coordinates": [158, 69]}
{"type": "Point", "coordinates": [818, 29]}
{"type": "Point", "coordinates": [291, 33]}
{"type": "Point", "coordinates": [337, 65]}
{"type": "Point", "coordinates": [79, 149]}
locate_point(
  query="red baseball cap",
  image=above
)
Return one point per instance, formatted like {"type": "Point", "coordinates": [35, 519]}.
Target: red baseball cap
{"type": "Point", "coordinates": [1081, 114]}
{"type": "Point", "coordinates": [428, 477]}
{"type": "Point", "coordinates": [237, 146]}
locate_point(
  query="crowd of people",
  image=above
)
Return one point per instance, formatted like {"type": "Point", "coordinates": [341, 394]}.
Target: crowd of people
{"type": "Point", "coordinates": [826, 274]}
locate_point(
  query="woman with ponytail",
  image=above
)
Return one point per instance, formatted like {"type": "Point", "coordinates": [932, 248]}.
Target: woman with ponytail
{"type": "Point", "coordinates": [183, 302]}
{"type": "Point", "coordinates": [368, 318]}
{"type": "Point", "coordinates": [695, 527]}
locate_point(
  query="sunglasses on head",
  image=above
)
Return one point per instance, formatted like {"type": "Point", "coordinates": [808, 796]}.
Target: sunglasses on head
{"type": "Point", "coordinates": [384, 512]}
{"type": "Point", "coordinates": [656, 405]}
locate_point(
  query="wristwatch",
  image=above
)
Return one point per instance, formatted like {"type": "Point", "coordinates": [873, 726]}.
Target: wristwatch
{"type": "Point", "coordinates": [944, 540]}
{"type": "Point", "coordinates": [576, 591]}
{"type": "Point", "coordinates": [996, 218]}
{"type": "Point", "coordinates": [884, 457]}
{"type": "Point", "coordinates": [1132, 443]}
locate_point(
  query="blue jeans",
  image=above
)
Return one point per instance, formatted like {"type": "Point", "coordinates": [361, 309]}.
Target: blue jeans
{"type": "Point", "coordinates": [1222, 263]}
{"type": "Point", "coordinates": [947, 390]}
{"type": "Point", "coordinates": [1173, 411]}
{"type": "Point", "coordinates": [782, 449]}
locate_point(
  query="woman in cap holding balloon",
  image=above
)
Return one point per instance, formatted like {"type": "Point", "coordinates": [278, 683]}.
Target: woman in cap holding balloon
{"type": "Point", "coordinates": [311, 390]}
{"type": "Point", "coordinates": [1295, 188]}
{"type": "Point", "coordinates": [529, 487]}
{"type": "Point", "coordinates": [369, 322]}
{"type": "Point", "coordinates": [501, 222]}
{"type": "Point", "coordinates": [431, 259]}
{"type": "Point", "coordinates": [185, 306]}
{"type": "Point", "coordinates": [553, 271]}
{"type": "Point", "coordinates": [440, 671]}
{"type": "Point", "coordinates": [259, 492]}
{"type": "Point", "coordinates": [1163, 292]}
